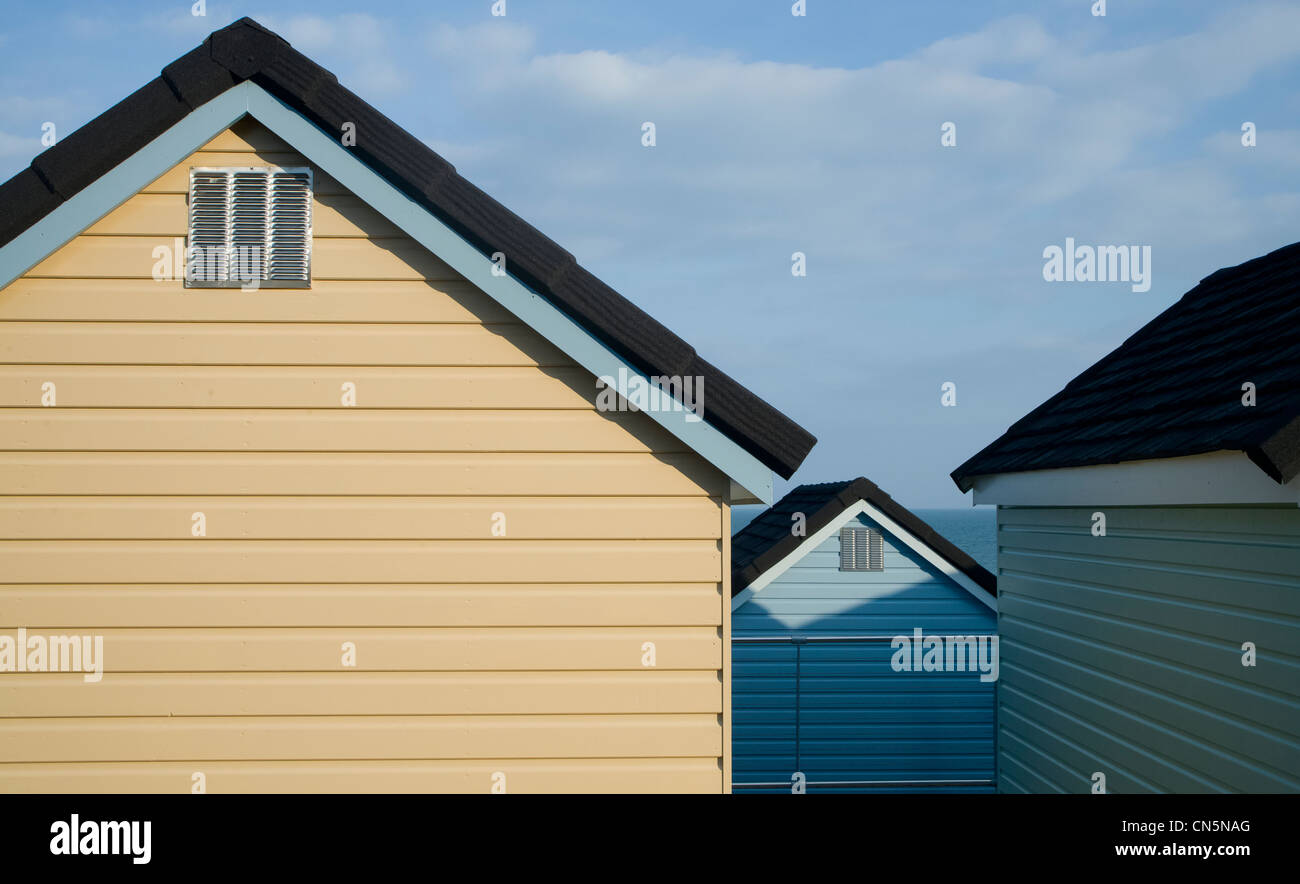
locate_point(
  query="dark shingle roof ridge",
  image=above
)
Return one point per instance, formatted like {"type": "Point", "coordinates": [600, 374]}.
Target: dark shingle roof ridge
{"type": "Point", "coordinates": [1250, 265]}
{"type": "Point", "coordinates": [245, 50]}
{"type": "Point", "coordinates": [1257, 286]}
{"type": "Point", "coordinates": [1207, 286]}
{"type": "Point", "coordinates": [767, 540]}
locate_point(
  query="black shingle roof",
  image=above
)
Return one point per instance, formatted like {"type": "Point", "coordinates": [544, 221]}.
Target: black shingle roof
{"type": "Point", "coordinates": [247, 51]}
{"type": "Point", "coordinates": [1175, 387]}
{"type": "Point", "coordinates": [768, 539]}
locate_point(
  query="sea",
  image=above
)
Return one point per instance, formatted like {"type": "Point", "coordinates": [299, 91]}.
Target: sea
{"type": "Point", "coordinates": [974, 530]}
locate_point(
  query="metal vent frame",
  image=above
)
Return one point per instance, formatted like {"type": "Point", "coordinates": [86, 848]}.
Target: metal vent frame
{"type": "Point", "coordinates": [861, 549]}
{"type": "Point", "coordinates": [225, 216]}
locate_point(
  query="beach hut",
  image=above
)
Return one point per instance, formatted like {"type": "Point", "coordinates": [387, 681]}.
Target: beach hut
{"type": "Point", "coordinates": [863, 648]}
{"type": "Point", "coordinates": [1149, 554]}
{"type": "Point", "coordinates": [320, 468]}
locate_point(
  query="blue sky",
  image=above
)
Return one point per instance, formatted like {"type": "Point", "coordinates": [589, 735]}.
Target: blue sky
{"type": "Point", "coordinates": [818, 134]}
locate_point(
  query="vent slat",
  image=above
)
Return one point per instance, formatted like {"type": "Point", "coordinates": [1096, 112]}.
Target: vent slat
{"type": "Point", "coordinates": [289, 249]}
{"type": "Point", "coordinates": [861, 549]}
{"type": "Point", "coordinates": [209, 213]}
{"type": "Point", "coordinates": [250, 224]}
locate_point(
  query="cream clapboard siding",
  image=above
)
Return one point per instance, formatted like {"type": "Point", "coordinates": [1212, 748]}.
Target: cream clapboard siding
{"type": "Point", "coordinates": [372, 525]}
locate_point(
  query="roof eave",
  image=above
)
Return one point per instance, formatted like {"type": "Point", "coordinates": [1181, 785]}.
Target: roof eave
{"type": "Point", "coordinates": [1279, 455]}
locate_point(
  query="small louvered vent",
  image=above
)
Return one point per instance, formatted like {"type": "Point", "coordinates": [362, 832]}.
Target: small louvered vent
{"type": "Point", "coordinates": [861, 549]}
{"type": "Point", "coordinates": [250, 225]}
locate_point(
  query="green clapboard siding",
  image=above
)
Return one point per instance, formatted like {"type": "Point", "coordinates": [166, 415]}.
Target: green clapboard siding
{"type": "Point", "coordinates": [1123, 654]}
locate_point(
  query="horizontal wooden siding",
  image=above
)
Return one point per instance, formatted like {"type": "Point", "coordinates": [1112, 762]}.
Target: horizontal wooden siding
{"type": "Point", "coordinates": [1122, 654]}
{"type": "Point", "coordinates": [328, 525]}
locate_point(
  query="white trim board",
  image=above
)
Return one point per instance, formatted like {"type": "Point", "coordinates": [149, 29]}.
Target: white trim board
{"type": "Point", "coordinates": [248, 99]}
{"type": "Point", "coordinates": [908, 539]}
{"type": "Point", "coordinates": [1218, 478]}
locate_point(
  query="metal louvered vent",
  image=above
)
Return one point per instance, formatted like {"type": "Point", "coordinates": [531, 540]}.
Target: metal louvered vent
{"type": "Point", "coordinates": [250, 225]}
{"type": "Point", "coordinates": [861, 549]}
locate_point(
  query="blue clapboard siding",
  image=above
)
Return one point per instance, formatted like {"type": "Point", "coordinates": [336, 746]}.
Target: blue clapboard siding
{"type": "Point", "coordinates": [1122, 654]}
{"type": "Point", "coordinates": [858, 718]}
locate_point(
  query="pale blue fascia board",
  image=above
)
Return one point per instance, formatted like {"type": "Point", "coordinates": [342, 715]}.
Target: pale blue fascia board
{"type": "Point", "coordinates": [202, 124]}
{"type": "Point", "coordinates": [124, 181]}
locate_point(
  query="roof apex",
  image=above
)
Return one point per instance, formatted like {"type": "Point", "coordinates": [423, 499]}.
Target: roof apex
{"type": "Point", "coordinates": [768, 539]}
{"type": "Point", "coordinates": [245, 48]}
{"type": "Point", "coordinates": [247, 51]}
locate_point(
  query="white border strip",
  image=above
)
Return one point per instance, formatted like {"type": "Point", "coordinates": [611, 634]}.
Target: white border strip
{"type": "Point", "coordinates": [1218, 478]}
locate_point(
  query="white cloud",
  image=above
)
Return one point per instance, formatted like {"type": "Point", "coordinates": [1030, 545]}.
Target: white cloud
{"type": "Point", "coordinates": [310, 33]}
{"type": "Point", "coordinates": [1060, 134]}
{"type": "Point", "coordinates": [87, 27]}
{"type": "Point", "coordinates": [1273, 147]}
{"type": "Point", "coordinates": [22, 106]}
{"type": "Point", "coordinates": [15, 145]}
{"type": "Point", "coordinates": [357, 46]}
{"type": "Point", "coordinates": [178, 19]}
{"type": "Point", "coordinates": [497, 38]}
{"type": "Point", "coordinates": [848, 160]}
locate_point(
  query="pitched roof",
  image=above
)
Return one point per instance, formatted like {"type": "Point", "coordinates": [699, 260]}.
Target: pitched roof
{"type": "Point", "coordinates": [1175, 387]}
{"type": "Point", "coordinates": [247, 51]}
{"type": "Point", "coordinates": [767, 540]}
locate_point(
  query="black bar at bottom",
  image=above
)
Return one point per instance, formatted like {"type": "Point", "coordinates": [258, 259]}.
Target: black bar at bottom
{"type": "Point", "coordinates": [632, 834]}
